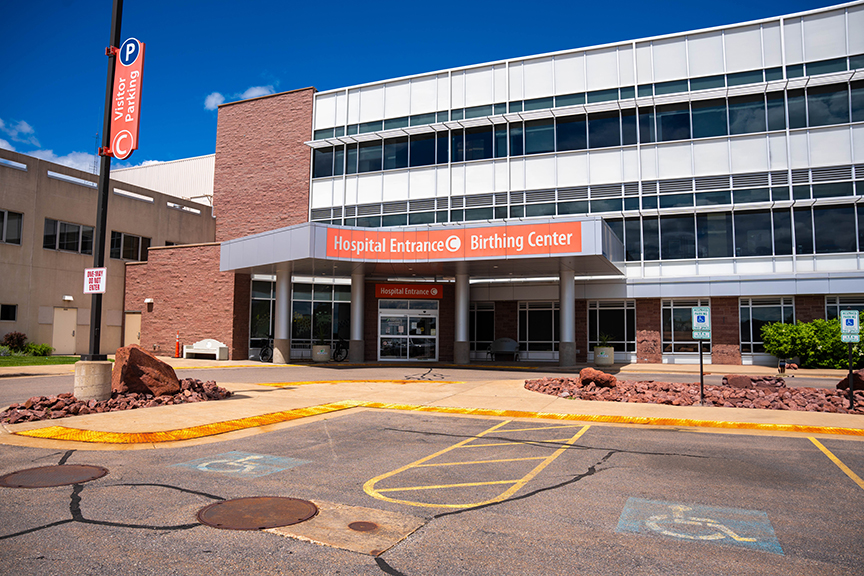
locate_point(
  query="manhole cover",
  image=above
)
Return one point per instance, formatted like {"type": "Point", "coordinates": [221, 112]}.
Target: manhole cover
{"type": "Point", "coordinates": [363, 526]}
{"type": "Point", "coordinates": [257, 513]}
{"type": "Point", "coordinates": [49, 476]}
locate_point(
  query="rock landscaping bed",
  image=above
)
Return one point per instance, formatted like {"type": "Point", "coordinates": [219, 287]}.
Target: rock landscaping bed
{"type": "Point", "coordinates": [736, 392]}
{"type": "Point", "coordinates": [62, 405]}
{"type": "Point", "coordinates": [138, 380]}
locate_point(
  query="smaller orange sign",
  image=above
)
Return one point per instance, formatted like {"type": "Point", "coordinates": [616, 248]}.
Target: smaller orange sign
{"type": "Point", "coordinates": [409, 291]}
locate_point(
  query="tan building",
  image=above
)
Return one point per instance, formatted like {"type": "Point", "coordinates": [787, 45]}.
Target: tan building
{"type": "Point", "coordinates": [48, 215]}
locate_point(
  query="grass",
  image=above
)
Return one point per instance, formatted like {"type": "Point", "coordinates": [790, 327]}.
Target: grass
{"type": "Point", "coordinates": [37, 360]}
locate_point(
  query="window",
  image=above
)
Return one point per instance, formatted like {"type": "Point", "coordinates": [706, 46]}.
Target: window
{"type": "Point", "coordinates": [396, 153]}
{"type": "Point", "coordinates": [782, 232]}
{"type": "Point", "coordinates": [369, 157]}
{"type": "Point", "coordinates": [481, 325]}
{"type": "Point", "coordinates": [10, 227]}
{"type": "Point", "coordinates": [604, 129]}
{"type": "Point", "coordinates": [714, 234]}
{"type": "Point", "coordinates": [538, 326]}
{"type": "Point", "coordinates": [834, 229]}
{"type": "Point", "coordinates": [261, 313]}
{"type": "Point", "coordinates": [616, 319]}
{"type": "Point", "coordinates": [834, 304]}
{"type": "Point", "coordinates": [677, 237]}
{"type": "Point", "coordinates": [319, 310]}
{"type": "Point", "coordinates": [571, 133]}
{"type": "Point", "coordinates": [673, 122]}
{"type": "Point", "coordinates": [628, 127]}
{"type": "Point", "coordinates": [647, 132]}
{"type": "Point", "coordinates": [500, 141]}
{"type": "Point", "coordinates": [457, 145]}
{"type": "Point", "coordinates": [67, 237]}
{"type": "Point", "coordinates": [753, 233]}
{"type": "Point", "coordinates": [776, 111]}
{"type": "Point", "coordinates": [678, 326]}
{"type": "Point", "coordinates": [747, 114]}
{"type": "Point", "coordinates": [517, 147]}
{"type": "Point", "coordinates": [797, 108]}
{"type": "Point", "coordinates": [351, 159]}
{"type": "Point", "coordinates": [633, 239]}
{"type": "Point", "coordinates": [756, 313]}
{"type": "Point", "coordinates": [8, 312]}
{"type": "Point", "coordinates": [709, 118]}
{"type": "Point", "coordinates": [828, 104]}
{"type": "Point", "coordinates": [422, 150]}
{"type": "Point", "coordinates": [322, 162]}
{"type": "Point", "coordinates": [651, 238]}
{"type": "Point", "coordinates": [803, 231]}
{"type": "Point", "coordinates": [478, 143]}
{"type": "Point", "coordinates": [857, 101]}
{"type": "Point", "coordinates": [129, 247]}
{"type": "Point", "coordinates": [539, 136]}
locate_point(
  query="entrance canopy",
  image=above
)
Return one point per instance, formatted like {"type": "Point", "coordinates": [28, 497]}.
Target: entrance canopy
{"type": "Point", "coordinates": [506, 249]}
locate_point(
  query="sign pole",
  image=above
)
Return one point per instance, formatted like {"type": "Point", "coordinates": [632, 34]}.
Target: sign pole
{"type": "Point", "coordinates": [104, 181]}
{"type": "Point", "coordinates": [851, 380]}
{"type": "Point", "coordinates": [701, 377]}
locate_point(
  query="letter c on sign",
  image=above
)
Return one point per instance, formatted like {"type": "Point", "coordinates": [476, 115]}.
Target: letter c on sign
{"type": "Point", "coordinates": [453, 243]}
{"type": "Point", "coordinates": [122, 145]}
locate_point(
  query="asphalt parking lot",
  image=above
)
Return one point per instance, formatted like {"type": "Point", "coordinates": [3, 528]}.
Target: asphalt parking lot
{"type": "Point", "coordinates": [487, 495]}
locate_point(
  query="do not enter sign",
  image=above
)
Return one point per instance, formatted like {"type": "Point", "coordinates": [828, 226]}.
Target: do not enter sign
{"type": "Point", "coordinates": [95, 280]}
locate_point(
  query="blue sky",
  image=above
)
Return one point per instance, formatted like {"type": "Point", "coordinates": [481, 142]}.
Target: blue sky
{"type": "Point", "coordinates": [53, 68]}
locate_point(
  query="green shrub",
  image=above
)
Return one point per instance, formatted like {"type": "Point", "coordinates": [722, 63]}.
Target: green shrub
{"type": "Point", "coordinates": [15, 341]}
{"type": "Point", "coordinates": [817, 344]}
{"type": "Point", "coordinates": [5, 351]}
{"type": "Point", "coordinates": [38, 349]}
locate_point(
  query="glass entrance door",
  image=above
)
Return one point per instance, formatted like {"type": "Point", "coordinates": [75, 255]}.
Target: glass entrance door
{"type": "Point", "coordinates": [407, 330]}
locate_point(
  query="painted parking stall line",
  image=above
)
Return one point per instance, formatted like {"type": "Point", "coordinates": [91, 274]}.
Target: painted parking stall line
{"type": "Point", "coordinates": [696, 523]}
{"type": "Point", "coordinates": [429, 481]}
{"type": "Point", "coordinates": [846, 470]}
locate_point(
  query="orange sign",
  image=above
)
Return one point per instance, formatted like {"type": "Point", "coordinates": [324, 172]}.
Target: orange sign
{"type": "Point", "coordinates": [408, 291]}
{"type": "Point", "coordinates": [509, 240]}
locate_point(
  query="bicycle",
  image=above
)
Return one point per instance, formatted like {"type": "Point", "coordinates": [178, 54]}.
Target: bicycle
{"type": "Point", "coordinates": [266, 353]}
{"type": "Point", "coordinates": [340, 352]}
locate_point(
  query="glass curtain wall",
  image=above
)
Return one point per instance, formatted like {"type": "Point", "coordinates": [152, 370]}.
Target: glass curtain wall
{"type": "Point", "coordinates": [678, 327]}
{"type": "Point", "coordinates": [538, 328]}
{"type": "Point", "coordinates": [481, 327]}
{"type": "Point", "coordinates": [615, 319]}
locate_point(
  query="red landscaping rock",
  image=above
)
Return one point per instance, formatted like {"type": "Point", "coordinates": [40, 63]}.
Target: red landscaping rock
{"type": "Point", "coordinates": [136, 370]}
{"type": "Point", "coordinates": [597, 377]}
{"type": "Point", "coordinates": [53, 407]}
{"type": "Point", "coordinates": [857, 381]}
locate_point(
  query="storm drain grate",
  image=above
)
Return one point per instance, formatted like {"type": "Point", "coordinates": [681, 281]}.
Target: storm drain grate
{"type": "Point", "coordinates": [50, 476]}
{"type": "Point", "coordinates": [257, 513]}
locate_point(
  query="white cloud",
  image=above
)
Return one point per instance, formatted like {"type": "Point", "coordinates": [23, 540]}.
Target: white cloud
{"type": "Point", "coordinates": [213, 101]}
{"type": "Point", "coordinates": [256, 91]}
{"type": "Point", "coordinates": [20, 131]}
{"type": "Point", "coordinates": [4, 144]}
{"type": "Point", "coordinates": [77, 160]}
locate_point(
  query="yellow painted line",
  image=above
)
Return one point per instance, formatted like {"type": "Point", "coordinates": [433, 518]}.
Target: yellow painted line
{"type": "Point", "coordinates": [262, 365]}
{"type": "Point", "coordinates": [517, 443]}
{"type": "Point", "coordinates": [437, 486]}
{"type": "Point", "coordinates": [306, 382]}
{"type": "Point", "coordinates": [64, 433]}
{"type": "Point", "coordinates": [370, 489]}
{"type": "Point", "coordinates": [78, 435]}
{"type": "Point", "coordinates": [641, 420]}
{"type": "Point", "coordinates": [543, 428]}
{"type": "Point", "coordinates": [479, 462]}
{"type": "Point", "coordinates": [855, 478]}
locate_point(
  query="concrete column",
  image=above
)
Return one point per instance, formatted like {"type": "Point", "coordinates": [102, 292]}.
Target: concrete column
{"type": "Point", "coordinates": [462, 346]}
{"type": "Point", "coordinates": [356, 351]}
{"type": "Point", "coordinates": [92, 380]}
{"type": "Point", "coordinates": [282, 316]}
{"type": "Point", "coordinates": [567, 318]}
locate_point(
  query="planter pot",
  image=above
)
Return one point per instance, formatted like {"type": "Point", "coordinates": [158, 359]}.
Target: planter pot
{"type": "Point", "coordinates": [320, 352]}
{"type": "Point", "coordinates": [604, 356]}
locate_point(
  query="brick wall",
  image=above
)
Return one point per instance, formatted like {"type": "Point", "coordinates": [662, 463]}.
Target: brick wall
{"type": "Point", "coordinates": [581, 331]}
{"type": "Point", "coordinates": [190, 295]}
{"type": "Point", "coordinates": [507, 320]}
{"type": "Point", "coordinates": [809, 308]}
{"type": "Point", "coordinates": [725, 331]}
{"type": "Point", "coordinates": [649, 344]}
{"type": "Point", "coordinates": [261, 181]}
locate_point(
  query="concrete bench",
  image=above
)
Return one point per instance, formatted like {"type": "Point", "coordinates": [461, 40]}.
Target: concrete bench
{"type": "Point", "coordinates": [503, 346]}
{"type": "Point", "coordinates": [206, 347]}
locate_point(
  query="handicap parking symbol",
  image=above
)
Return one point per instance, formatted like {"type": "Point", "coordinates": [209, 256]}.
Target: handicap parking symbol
{"type": "Point", "coordinates": [242, 464]}
{"type": "Point", "coordinates": [730, 526]}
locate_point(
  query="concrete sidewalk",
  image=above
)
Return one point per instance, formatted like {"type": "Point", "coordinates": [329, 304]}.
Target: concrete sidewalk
{"type": "Point", "coordinates": [258, 408]}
